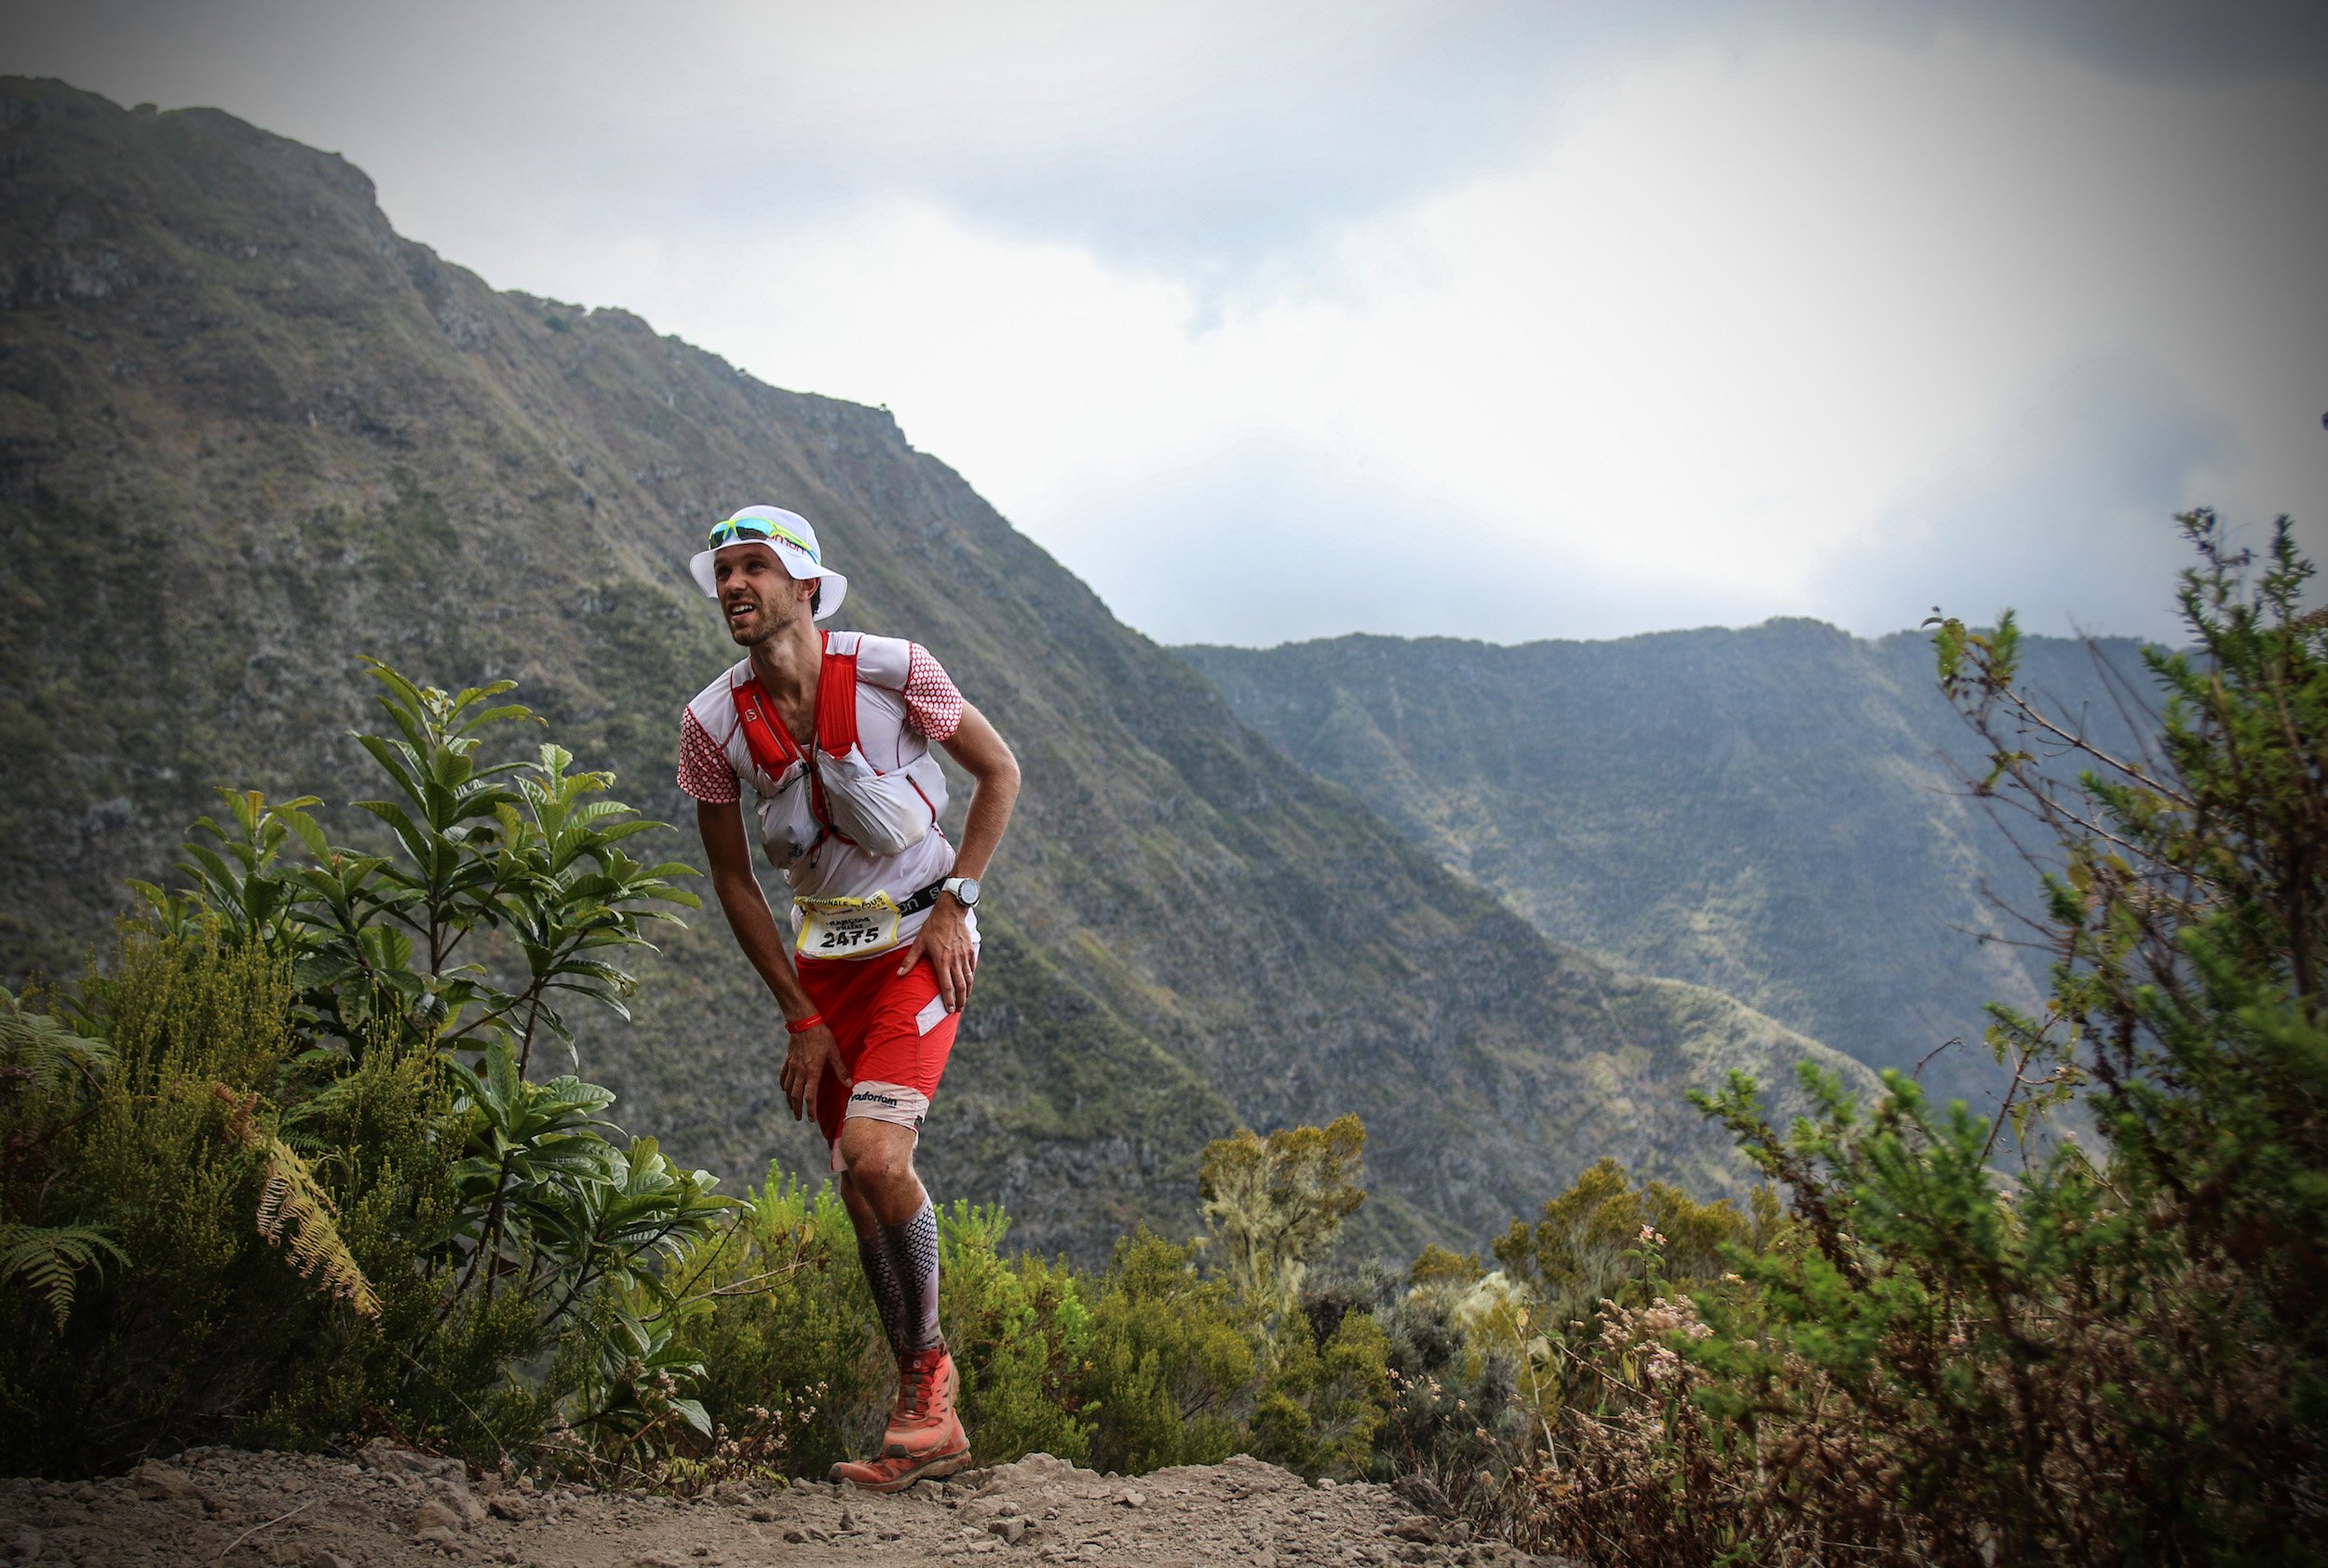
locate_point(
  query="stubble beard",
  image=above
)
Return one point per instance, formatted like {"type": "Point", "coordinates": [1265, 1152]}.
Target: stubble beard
{"type": "Point", "coordinates": [770, 623]}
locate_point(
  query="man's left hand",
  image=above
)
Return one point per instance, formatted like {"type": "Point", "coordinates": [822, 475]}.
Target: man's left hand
{"type": "Point", "coordinates": [944, 939]}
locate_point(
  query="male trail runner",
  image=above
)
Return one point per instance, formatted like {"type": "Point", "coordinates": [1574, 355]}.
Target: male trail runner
{"type": "Point", "coordinates": [834, 731]}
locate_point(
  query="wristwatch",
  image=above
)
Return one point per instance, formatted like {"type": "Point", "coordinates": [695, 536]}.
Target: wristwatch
{"type": "Point", "coordinates": [964, 888]}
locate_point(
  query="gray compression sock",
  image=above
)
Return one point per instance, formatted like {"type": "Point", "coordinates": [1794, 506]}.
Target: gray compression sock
{"type": "Point", "coordinates": [913, 1255]}
{"type": "Point", "coordinates": [889, 1294]}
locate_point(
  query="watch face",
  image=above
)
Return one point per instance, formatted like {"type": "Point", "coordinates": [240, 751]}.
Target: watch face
{"type": "Point", "coordinates": [966, 890]}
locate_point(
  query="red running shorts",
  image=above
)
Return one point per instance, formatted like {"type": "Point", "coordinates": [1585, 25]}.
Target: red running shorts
{"type": "Point", "coordinates": [895, 1034]}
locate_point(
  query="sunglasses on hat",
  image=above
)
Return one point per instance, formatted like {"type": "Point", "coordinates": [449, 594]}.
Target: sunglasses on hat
{"type": "Point", "coordinates": [748, 528]}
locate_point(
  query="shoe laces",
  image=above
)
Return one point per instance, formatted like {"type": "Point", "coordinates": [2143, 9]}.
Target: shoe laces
{"type": "Point", "coordinates": [915, 1374]}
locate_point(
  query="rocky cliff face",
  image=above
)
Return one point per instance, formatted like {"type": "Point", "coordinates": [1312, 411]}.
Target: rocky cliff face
{"type": "Point", "coordinates": [248, 433]}
{"type": "Point", "coordinates": [1779, 813]}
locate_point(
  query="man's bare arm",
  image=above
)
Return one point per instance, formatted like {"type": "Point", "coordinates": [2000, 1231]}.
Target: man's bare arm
{"type": "Point", "coordinates": [728, 848]}
{"type": "Point", "coordinates": [944, 938]}
{"type": "Point", "coordinates": [986, 757]}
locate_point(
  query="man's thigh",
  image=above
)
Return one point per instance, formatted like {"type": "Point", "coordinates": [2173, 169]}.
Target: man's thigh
{"type": "Point", "coordinates": [894, 1049]}
{"type": "Point", "coordinates": [908, 1036]}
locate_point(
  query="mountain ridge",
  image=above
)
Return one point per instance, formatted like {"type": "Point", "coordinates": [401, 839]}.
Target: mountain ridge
{"type": "Point", "coordinates": [1779, 812]}
{"type": "Point", "coordinates": [247, 432]}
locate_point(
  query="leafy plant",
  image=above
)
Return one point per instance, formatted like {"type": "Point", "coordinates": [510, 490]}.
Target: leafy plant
{"type": "Point", "coordinates": [48, 1261]}
{"type": "Point", "coordinates": [337, 1040]}
{"type": "Point", "coordinates": [1981, 1342]}
{"type": "Point", "coordinates": [521, 855]}
{"type": "Point", "coordinates": [1020, 1331]}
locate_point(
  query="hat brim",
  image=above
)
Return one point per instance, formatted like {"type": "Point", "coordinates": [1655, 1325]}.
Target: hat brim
{"type": "Point", "coordinates": [796, 565]}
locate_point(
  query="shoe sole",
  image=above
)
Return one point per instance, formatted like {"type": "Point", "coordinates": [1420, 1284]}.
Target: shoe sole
{"type": "Point", "coordinates": [934, 1468]}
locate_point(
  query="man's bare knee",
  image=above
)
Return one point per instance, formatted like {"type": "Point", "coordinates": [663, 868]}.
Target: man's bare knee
{"type": "Point", "coordinates": [876, 1156]}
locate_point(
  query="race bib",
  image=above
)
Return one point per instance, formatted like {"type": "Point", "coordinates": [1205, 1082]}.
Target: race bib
{"type": "Point", "coordinates": [845, 927]}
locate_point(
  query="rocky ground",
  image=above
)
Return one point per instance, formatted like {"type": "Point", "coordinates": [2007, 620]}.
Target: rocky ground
{"type": "Point", "coordinates": [393, 1508]}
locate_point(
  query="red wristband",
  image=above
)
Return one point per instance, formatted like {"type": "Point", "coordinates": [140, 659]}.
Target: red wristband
{"type": "Point", "coordinates": [803, 1025]}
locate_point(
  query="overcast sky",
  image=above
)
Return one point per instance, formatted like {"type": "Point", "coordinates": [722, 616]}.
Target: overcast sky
{"type": "Point", "coordinates": [1511, 320]}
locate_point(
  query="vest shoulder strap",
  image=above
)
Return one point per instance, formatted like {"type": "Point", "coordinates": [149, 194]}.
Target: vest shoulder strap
{"type": "Point", "coordinates": [836, 701]}
{"type": "Point", "coordinates": [771, 744]}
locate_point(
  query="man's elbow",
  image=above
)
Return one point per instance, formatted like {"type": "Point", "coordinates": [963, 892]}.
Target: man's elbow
{"type": "Point", "coordinates": [735, 888]}
{"type": "Point", "coordinates": [1001, 772]}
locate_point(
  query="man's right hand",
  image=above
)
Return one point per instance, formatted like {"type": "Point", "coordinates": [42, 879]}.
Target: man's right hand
{"type": "Point", "coordinates": [806, 1055]}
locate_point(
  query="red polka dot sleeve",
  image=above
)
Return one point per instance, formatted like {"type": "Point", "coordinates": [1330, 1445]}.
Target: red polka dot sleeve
{"type": "Point", "coordinates": [704, 771]}
{"type": "Point", "coordinates": [933, 703]}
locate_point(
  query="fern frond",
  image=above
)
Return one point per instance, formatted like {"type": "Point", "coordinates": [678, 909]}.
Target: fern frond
{"type": "Point", "coordinates": [48, 1050]}
{"type": "Point", "coordinates": [49, 1261]}
{"type": "Point", "coordinates": [294, 1207]}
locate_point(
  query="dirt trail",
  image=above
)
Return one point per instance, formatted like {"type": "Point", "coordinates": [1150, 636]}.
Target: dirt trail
{"type": "Point", "coordinates": [398, 1509]}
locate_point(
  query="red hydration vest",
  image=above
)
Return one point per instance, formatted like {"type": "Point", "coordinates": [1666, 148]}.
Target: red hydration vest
{"type": "Point", "coordinates": [865, 790]}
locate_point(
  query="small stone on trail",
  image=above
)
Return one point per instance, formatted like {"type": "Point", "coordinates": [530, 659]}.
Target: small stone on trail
{"type": "Point", "coordinates": [511, 1507]}
{"type": "Point", "coordinates": [1134, 1499]}
{"type": "Point", "coordinates": [456, 1497]}
{"type": "Point", "coordinates": [324, 1559]}
{"type": "Point", "coordinates": [434, 1515]}
{"type": "Point", "coordinates": [26, 1546]}
{"type": "Point", "coordinates": [162, 1482]}
{"type": "Point", "coordinates": [382, 1454]}
{"type": "Point", "coordinates": [440, 1536]}
{"type": "Point", "coordinates": [849, 1520]}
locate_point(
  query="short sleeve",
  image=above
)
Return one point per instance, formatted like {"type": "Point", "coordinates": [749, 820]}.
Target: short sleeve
{"type": "Point", "coordinates": [933, 705]}
{"type": "Point", "coordinates": [704, 770]}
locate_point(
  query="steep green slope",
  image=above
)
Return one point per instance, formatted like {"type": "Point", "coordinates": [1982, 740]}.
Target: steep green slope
{"type": "Point", "coordinates": [248, 433]}
{"type": "Point", "coordinates": [1775, 812]}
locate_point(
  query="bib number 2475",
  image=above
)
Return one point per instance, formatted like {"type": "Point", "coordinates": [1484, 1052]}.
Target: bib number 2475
{"type": "Point", "coordinates": [847, 927]}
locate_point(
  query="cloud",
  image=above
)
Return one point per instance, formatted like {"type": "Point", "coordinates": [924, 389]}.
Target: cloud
{"type": "Point", "coordinates": [1262, 537]}
{"type": "Point", "coordinates": [1665, 313]}
{"type": "Point", "coordinates": [1211, 142]}
{"type": "Point", "coordinates": [2063, 513]}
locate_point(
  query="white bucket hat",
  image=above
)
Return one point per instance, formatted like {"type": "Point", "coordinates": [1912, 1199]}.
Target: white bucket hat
{"type": "Point", "coordinates": [788, 535]}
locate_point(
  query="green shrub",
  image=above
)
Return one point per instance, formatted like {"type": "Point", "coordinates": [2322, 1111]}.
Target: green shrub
{"type": "Point", "coordinates": [1272, 1206]}
{"type": "Point", "coordinates": [1020, 1333]}
{"type": "Point", "coordinates": [1322, 1405]}
{"type": "Point", "coordinates": [1172, 1365]}
{"type": "Point", "coordinates": [1603, 1238]}
{"type": "Point", "coordinates": [176, 1159]}
{"type": "Point", "coordinates": [778, 1309]}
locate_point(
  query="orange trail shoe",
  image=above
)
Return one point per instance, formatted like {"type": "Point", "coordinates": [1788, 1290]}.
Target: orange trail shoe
{"type": "Point", "coordinates": [924, 1422]}
{"type": "Point", "coordinates": [895, 1473]}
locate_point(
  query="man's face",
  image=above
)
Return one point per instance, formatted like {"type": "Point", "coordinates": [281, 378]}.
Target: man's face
{"type": "Point", "coordinates": [758, 596]}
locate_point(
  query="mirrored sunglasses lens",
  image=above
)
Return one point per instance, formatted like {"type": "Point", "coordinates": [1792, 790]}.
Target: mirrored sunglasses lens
{"type": "Point", "coordinates": [733, 528]}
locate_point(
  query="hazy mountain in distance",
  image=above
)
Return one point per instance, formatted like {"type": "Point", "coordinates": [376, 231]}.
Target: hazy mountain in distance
{"type": "Point", "coordinates": [248, 433]}
{"type": "Point", "coordinates": [1777, 812]}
